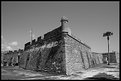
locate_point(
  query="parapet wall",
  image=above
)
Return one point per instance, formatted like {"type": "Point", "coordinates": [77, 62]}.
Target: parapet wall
{"type": "Point", "coordinates": [47, 38]}
{"type": "Point", "coordinates": [53, 33]}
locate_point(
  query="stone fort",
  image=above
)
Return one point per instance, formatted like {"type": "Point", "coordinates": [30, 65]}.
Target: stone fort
{"type": "Point", "coordinates": [58, 51]}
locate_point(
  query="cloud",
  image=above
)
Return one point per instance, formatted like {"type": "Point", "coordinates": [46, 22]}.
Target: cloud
{"type": "Point", "coordinates": [15, 43]}
{"type": "Point", "coordinates": [33, 36]}
{"type": "Point", "coordinates": [2, 40]}
{"type": "Point", "coordinates": [9, 48]}
{"type": "Point", "coordinates": [2, 46]}
{"type": "Point", "coordinates": [6, 47]}
{"type": "Point", "coordinates": [2, 37]}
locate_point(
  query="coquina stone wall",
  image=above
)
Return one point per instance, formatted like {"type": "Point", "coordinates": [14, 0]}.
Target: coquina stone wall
{"type": "Point", "coordinates": [48, 56]}
{"type": "Point", "coordinates": [10, 58]}
{"type": "Point", "coordinates": [113, 56]}
{"type": "Point", "coordinates": [77, 55]}
{"type": "Point", "coordinates": [97, 58]}
{"type": "Point", "coordinates": [59, 52]}
{"type": "Point", "coordinates": [117, 57]}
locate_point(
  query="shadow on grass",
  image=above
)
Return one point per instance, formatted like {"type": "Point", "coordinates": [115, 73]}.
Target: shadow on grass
{"type": "Point", "coordinates": [102, 76]}
{"type": "Point", "coordinates": [112, 71]}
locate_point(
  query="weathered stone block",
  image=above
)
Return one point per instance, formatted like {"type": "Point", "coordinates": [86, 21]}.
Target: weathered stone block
{"type": "Point", "coordinates": [75, 55]}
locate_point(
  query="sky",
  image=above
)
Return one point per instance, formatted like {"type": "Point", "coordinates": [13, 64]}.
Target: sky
{"type": "Point", "coordinates": [87, 20]}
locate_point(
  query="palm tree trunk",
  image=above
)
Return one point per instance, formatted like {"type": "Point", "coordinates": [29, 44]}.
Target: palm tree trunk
{"type": "Point", "coordinates": [108, 51]}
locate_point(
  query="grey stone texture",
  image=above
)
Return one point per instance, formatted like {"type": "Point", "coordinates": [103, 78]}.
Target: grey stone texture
{"type": "Point", "coordinates": [47, 57]}
{"type": "Point", "coordinates": [77, 55]}
{"type": "Point", "coordinates": [117, 57]}
{"type": "Point", "coordinates": [11, 58]}
{"type": "Point", "coordinates": [59, 53]}
{"type": "Point", "coordinates": [114, 57]}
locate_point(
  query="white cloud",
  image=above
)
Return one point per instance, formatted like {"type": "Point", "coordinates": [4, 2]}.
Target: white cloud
{"type": "Point", "coordinates": [2, 37]}
{"type": "Point", "coordinates": [6, 47]}
{"type": "Point", "coordinates": [9, 48]}
{"type": "Point", "coordinates": [2, 45]}
{"type": "Point", "coordinates": [33, 36]}
{"type": "Point", "coordinates": [15, 43]}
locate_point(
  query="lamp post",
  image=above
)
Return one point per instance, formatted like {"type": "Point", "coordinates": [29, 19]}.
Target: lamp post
{"type": "Point", "coordinates": [107, 34]}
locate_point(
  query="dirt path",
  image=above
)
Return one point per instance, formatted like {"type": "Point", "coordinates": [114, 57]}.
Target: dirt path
{"type": "Point", "coordinates": [101, 71]}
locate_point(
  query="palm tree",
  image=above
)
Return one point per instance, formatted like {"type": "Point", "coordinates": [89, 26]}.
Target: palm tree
{"type": "Point", "coordinates": [107, 34]}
